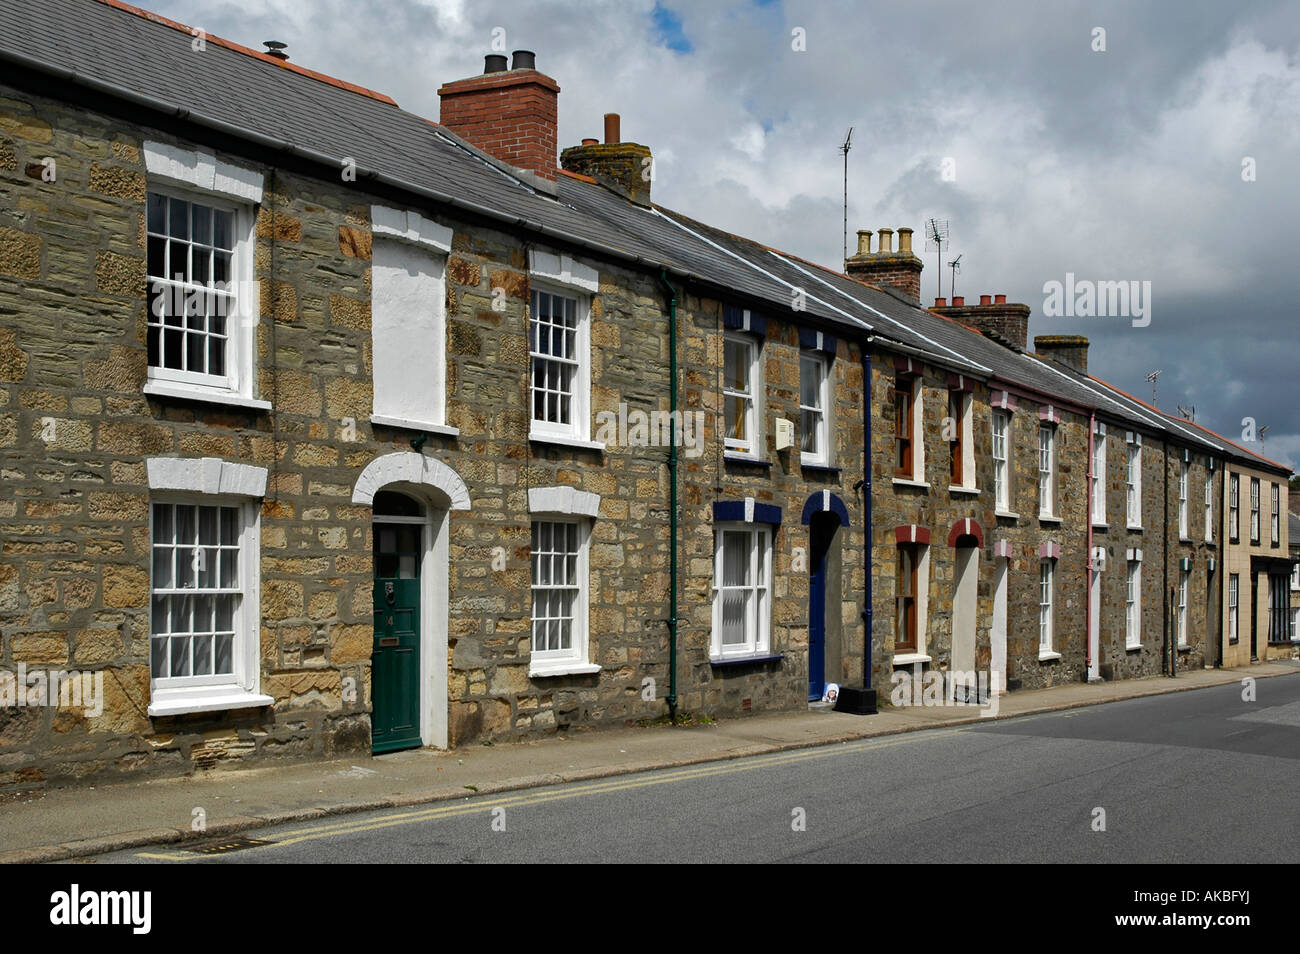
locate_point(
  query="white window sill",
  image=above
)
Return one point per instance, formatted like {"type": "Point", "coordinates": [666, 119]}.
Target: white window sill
{"type": "Point", "coordinates": [171, 702]}
{"type": "Point", "coordinates": [1048, 518]}
{"type": "Point", "coordinates": [172, 389]}
{"type": "Point", "coordinates": [1135, 527]}
{"type": "Point", "coordinates": [1129, 648]}
{"type": "Point", "coordinates": [973, 491]}
{"type": "Point", "coordinates": [909, 659]}
{"type": "Point", "coordinates": [1187, 541]}
{"type": "Point", "coordinates": [738, 457]}
{"type": "Point", "coordinates": [1101, 524]}
{"type": "Point", "coordinates": [1008, 514]}
{"type": "Point", "coordinates": [413, 425]}
{"type": "Point", "coordinates": [1184, 647]}
{"type": "Point", "coordinates": [545, 670]}
{"type": "Point", "coordinates": [905, 482]}
{"type": "Point", "coordinates": [1048, 656]}
{"type": "Point", "coordinates": [541, 437]}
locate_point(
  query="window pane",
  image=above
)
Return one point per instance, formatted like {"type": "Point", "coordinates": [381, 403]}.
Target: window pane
{"type": "Point", "coordinates": [180, 219]}
{"type": "Point", "coordinates": [735, 558]}
{"type": "Point", "coordinates": [736, 366]}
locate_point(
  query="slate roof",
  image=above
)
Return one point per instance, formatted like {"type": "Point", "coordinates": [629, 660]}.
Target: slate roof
{"type": "Point", "coordinates": [147, 62]}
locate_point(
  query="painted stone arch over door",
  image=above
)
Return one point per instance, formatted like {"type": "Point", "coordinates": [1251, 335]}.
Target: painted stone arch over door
{"type": "Point", "coordinates": [967, 539]}
{"type": "Point", "coordinates": [440, 489]}
{"type": "Point", "coordinates": [824, 514]}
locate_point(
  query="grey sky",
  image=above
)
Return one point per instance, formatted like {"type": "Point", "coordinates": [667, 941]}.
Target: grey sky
{"type": "Point", "coordinates": [1122, 164]}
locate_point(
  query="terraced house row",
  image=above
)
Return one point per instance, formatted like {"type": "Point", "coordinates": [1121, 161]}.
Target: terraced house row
{"type": "Point", "coordinates": [328, 429]}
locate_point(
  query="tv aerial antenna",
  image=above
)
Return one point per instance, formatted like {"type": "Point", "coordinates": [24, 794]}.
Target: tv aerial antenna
{"type": "Point", "coordinates": [1188, 412]}
{"type": "Point", "coordinates": [1152, 378]}
{"type": "Point", "coordinates": [936, 234]}
{"type": "Point", "coordinates": [1262, 430]}
{"type": "Point", "coordinates": [848, 144]}
{"type": "Point", "coordinates": [955, 265]}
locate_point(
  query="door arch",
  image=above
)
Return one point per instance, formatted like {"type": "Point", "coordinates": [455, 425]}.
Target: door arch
{"type": "Point", "coordinates": [437, 489]}
{"type": "Point", "coordinates": [824, 513]}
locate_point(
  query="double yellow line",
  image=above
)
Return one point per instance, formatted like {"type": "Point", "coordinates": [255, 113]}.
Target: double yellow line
{"type": "Point", "coordinates": [483, 805]}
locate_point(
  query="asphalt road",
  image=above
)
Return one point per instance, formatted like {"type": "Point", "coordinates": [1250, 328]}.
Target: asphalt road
{"type": "Point", "coordinates": [1199, 776]}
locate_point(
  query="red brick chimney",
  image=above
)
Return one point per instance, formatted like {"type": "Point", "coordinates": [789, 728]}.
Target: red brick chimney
{"type": "Point", "coordinates": [508, 113]}
{"type": "Point", "coordinates": [899, 270]}
{"type": "Point", "coordinates": [994, 317]}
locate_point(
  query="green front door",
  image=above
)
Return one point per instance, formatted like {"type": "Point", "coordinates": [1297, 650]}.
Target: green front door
{"type": "Point", "coordinates": [395, 658]}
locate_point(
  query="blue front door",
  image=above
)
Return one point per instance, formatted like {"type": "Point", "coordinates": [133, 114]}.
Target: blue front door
{"type": "Point", "coordinates": [818, 543]}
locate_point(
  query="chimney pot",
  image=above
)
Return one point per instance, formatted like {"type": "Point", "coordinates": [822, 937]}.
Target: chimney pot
{"type": "Point", "coordinates": [591, 142]}
{"type": "Point", "coordinates": [943, 302]}
{"type": "Point", "coordinates": [524, 60]}
{"type": "Point", "coordinates": [864, 241]}
{"type": "Point", "coordinates": [612, 133]}
{"type": "Point", "coordinates": [495, 63]}
{"type": "Point", "coordinates": [886, 241]}
{"type": "Point", "coordinates": [905, 241]}
{"type": "Point", "coordinates": [999, 299]}
{"type": "Point", "coordinates": [986, 299]}
{"type": "Point", "coordinates": [958, 301]}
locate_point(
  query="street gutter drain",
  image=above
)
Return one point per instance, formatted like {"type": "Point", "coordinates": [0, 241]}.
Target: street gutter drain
{"type": "Point", "coordinates": [221, 846]}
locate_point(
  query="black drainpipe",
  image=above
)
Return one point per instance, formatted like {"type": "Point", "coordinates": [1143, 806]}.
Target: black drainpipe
{"type": "Point", "coordinates": [854, 699]}
{"type": "Point", "coordinates": [672, 496]}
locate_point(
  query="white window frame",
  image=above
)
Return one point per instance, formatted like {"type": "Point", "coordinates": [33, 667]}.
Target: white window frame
{"type": "Point", "coordinates": [1001, 464]}
{"type": "Point", "coordinates": [758, 622]}
{"type": "Point", "coordinates": [1209, 504]}
{"type": "Point", "coordinates": [1184, 522]}
{"type": "Point", "coordinates": [1133, 481]}
{"type": "Point", "coordinates": [751, 446]}
{"type": "Point", "coordinates": [1275, 506]}
{"type": "Point", "coordinates": [1184, 583]}
{"type": "Point", "coordinates": [964, 423]}
{"type": "Point", "coordinates": [1234, 508]}
{"type": "Point", "coordinates": [1047, 470]}
{"type": "Point", "coordinates": [1255, 523]}
{"type": "Point", "coordinates": [1046, 607]}
{"type": "Point", "coordinates": [578, 429]}
{"type": "Point", "coordinates": [1099, 475]}
{"type": "Point", "coordinates": [236, 386]}
{"type": "Point", "coordinates": [822, 431]}
{"type": "Point", "coordinates": [1234, 601]}
{"type": "Point", "coordinates": [1133, 606]}
{"type": "Point", "coordinates": [214, 482]}
{"type": "Point", "coordinates": [557, 661]}
{"type": "Point", "coordinates": [565, 505]}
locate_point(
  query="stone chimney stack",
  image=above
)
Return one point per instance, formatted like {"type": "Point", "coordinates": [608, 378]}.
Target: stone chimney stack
{"type": "Point", "coordinates": [899, 270]}
{"type": "Point", "coordinates": [622, 167]}
{"type": "Point", "coordinates": [1069, 350]}
{"type": "Point", "coordinates": [510, 114]}
{"type": "Point", "coordinates": [994, 317]}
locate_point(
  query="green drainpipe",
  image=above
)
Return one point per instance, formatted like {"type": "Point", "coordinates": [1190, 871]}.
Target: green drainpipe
{"type": "Point", "coordinates": [672, 497]}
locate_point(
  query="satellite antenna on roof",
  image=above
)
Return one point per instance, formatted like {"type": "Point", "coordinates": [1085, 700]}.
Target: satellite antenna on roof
{"type": "Point", "coordinates": [1188, 412]}
{"type": "Point", "coordinates": [936, 233]}
{"type": "Point", "coordinates": [955, 265]}
{"type": "Point", "coordinates": [848, 144]}
{"type": "Point", "coordinates": [1152, 378]}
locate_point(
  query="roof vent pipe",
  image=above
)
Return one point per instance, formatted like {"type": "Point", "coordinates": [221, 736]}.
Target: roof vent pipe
{"type": "Point", "coordinates": [495, 63]}
{"type": "Point", "coordinates": [524, 60]}
{"type": "Point", "coordinates": [275, 48]}
{"type": "Point", "coordinates": [612, 133]}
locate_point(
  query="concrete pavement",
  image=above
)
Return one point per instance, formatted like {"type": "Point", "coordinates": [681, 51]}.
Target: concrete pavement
{"type": "Point", "coordinates": [54, 825]}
